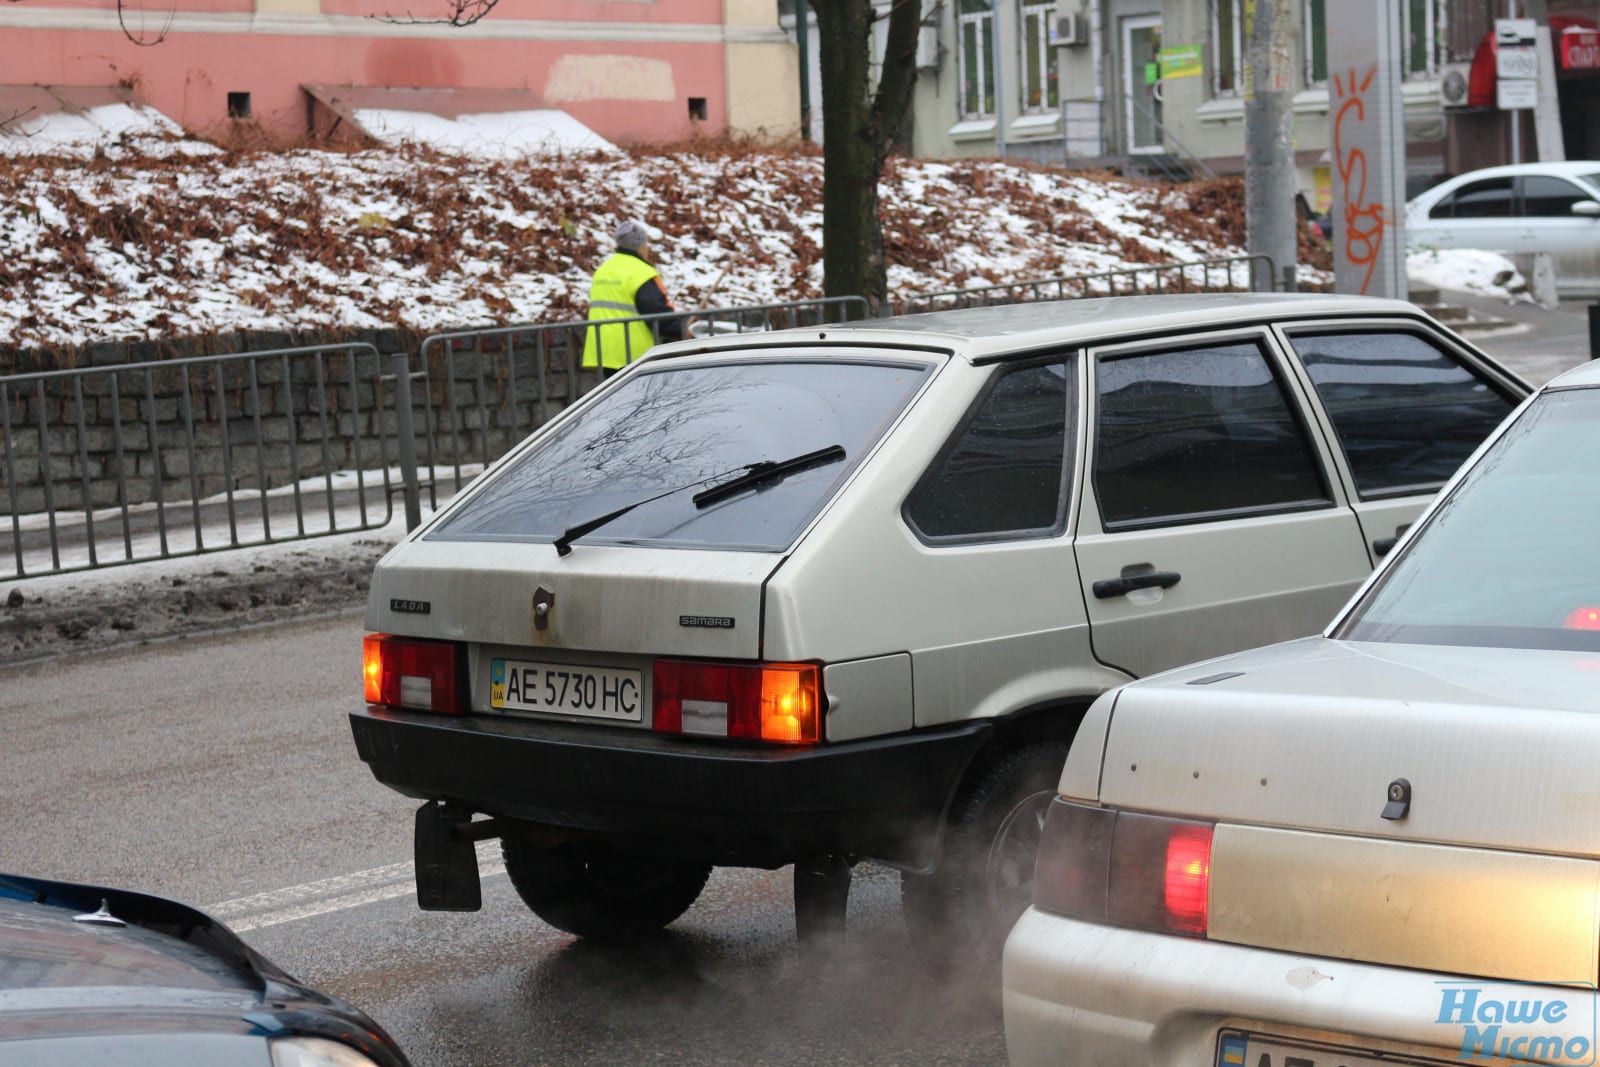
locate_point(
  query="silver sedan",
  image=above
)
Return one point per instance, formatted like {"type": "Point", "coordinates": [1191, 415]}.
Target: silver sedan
{"type": "Point", "coordinates": [1380, 845]}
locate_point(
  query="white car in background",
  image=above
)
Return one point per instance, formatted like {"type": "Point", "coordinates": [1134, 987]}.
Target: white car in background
{"type": "Point", "coordinates": [1522, 208]}
{"type": "Point", "coordinates": [1376, 846]}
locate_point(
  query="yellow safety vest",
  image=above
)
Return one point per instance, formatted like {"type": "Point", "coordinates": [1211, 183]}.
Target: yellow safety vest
{"type": "Point", "coordinates": [611, 294]}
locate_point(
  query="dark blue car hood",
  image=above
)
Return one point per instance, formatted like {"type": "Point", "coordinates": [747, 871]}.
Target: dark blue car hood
{"type": "Point", "coordinates": [161, 983]}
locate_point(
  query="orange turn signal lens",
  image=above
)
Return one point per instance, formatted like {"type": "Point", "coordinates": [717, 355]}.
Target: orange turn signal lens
{"type": "Point", "coordinates": [789, 703]}
{"type": "Point", "coordinates": [372, 667]}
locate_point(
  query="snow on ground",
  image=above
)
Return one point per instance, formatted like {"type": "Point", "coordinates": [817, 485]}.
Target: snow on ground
{"type": "Point", "coordinates": [110, 128]}
{"type": "Point", "coordinates": [492, 135]}
{"type": "Point", "coordinates": [125, 246]}
{"type": "Point", "coordinates": [1467, 270]}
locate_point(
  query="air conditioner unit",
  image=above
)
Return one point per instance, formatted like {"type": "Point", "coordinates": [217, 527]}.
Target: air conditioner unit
{"type": "Point", "coordinates": [1069, 30]}
{"type": "Point", "coordinates": [1454, 79]}
{"type": "Point", "coordinates": [928, 48]}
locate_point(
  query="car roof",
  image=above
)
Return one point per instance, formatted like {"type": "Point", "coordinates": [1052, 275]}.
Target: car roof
{"type": "Point", "coordinates": [987, 332]}
{"type": "Point", "coordinates": [1584, 374]}
{"type": "Point", "coordinates": [1578, 167]}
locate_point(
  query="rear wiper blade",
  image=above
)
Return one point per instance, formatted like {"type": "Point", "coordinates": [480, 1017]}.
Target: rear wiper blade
{"type": "Point", "coordinates": [748, 474]}
{"type": "Point", "coordinates": [767, 471]}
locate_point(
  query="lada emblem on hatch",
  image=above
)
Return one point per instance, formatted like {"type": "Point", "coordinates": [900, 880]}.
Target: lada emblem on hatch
{"type": "Point", "coordinates": [543, 601]}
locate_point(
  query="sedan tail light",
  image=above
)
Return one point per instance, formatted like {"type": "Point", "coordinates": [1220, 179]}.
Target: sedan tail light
{"type": "Point", "coordinates": [778, 702]}
{"type": "Point", "coordinates": [1125, 869]}
{"type": "Point", "coordinates": [408, 672]}
{"type": "Point", "coordinates": [1583, 619]}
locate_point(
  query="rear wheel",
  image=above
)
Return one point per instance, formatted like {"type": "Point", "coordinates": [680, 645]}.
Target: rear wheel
{"type": "Point", "coordinates": [984, 881]}
{"type": "Point", "coordinates": [594, 890]}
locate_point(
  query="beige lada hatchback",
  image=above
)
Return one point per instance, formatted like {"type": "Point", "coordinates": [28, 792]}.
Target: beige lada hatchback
{"type": "Point", "coordinates": [1378, 846]}
{"type": "Point", "coordinates": [842, 593]}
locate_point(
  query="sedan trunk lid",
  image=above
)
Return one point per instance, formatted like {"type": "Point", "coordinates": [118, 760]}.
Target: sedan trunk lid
{"type": "Point", "coordinates": [1310, 735]}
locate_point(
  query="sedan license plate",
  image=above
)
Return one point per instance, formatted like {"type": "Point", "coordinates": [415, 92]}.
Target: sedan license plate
{"type": "Point", "coordinates": [566, 689]}
{"type": "Point", "coordinates": [1237, 1049]}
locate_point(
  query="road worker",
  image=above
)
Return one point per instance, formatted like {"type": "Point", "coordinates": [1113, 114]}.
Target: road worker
{"type": "Point", "coordinates": [626, 285]}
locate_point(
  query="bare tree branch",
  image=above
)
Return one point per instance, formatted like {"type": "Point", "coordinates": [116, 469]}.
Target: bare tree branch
{"type": "Point", "coordinates": [139, 37]}
{"type": "Point", "coordinates": [457, 13]}
{"type": "Point", "coordinates": [7, 120]}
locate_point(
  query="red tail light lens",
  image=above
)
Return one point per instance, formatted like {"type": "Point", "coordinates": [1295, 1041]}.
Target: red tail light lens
{"type": "Point", "coordinates": [777, 702]}
{"type": "Point", "coordinates": [1583, 619]}
{"type": "Point", "coordinates": [1125, 869]}
{"type": "Point", "coordinates": [1188, 878]}
{"type": "Point", "coordinates": [407, 672]}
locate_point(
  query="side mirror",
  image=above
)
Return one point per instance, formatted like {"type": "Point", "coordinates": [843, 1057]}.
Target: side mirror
{"type": "Point", "coordinates": [1587, 208]}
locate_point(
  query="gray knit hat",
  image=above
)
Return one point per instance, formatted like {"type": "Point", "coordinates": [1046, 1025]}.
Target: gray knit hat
{"type": "Point", "coordinates": [631, 236]}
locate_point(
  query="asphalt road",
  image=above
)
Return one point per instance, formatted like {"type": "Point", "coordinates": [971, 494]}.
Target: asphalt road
{"type": "Point", "coordinates": [220, 770]}
{"type": "Point", "coordinates": [1540, 342]}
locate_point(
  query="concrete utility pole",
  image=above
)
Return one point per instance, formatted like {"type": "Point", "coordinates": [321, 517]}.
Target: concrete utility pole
{"type": "Point", "coordinates": [1548, 138]}
{"type": "Point", "coordinates": [1367, 114]}
{"type": "Point", "coordinates": [1269, 171]}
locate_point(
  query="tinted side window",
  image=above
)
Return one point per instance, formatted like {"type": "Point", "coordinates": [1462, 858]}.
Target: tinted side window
{"type": "Point", "coordinates": [1549, 197]}
{"type": "Point", "coordinates": [1004, 471]}
{"type": "Point", "coordinates": [1198, 433]}
{"type": "Point", "coordinates": [1487, 199]}
{"type": "Point", "coordinates": [1407, 413]}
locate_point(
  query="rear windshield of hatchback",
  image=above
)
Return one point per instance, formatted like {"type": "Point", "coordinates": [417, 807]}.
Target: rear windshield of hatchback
{"type": "Point", "coordinates": [675, 432]}
{"type": "Point", "coordinates": [1512, 558]}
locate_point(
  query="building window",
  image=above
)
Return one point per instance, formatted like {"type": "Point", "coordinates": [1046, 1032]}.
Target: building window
{"type": "Point", "coordinates": [975, 28]}
{"type": "Point", "coordinates": [1316, 42]}
{"type": "Point", "coordinates": [1227, 37]}
{"type": "Point", "coordinates": [1040, 86]}
{"type": "Point", "coordinates": [1419, 37]}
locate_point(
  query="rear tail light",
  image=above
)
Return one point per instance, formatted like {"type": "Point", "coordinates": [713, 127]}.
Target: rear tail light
{"type": "Point", "coordinates": [1125, 869]}
{"type": "Point", "coordinates": [407, 672]}
{"type": "Point", "coordinates": [1583, 619]}
{"type": "Point", "coordinates": [777, 702]}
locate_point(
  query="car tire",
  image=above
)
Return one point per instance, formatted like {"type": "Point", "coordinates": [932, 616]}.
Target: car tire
{"type": "Point", "coordinates": [984, 881]}
{"type": "Point", "coordinates": [596, 891]}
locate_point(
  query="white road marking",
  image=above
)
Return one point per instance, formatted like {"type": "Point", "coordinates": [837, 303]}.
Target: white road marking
{"type": "Point", "coordinates": [334, 894]}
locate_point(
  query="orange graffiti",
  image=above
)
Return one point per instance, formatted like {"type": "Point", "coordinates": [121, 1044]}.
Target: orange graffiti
{"type": "Point", "coordinates": [1364, 224]}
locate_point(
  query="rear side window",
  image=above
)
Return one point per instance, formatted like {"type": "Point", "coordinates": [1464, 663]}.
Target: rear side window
{"type": "Point", "coordinates": [1407, 413]}
{"type": "Point", "coordinates": [1199, 433]}
{"type": "Point", "coordinates": [1005, 470]}
{"type": "Point", "coordinates": [678, 430]}
{"type": "Point", "coordinates": [1548, 197]}
{"type": "Point", "coordinates": [1487, 199]}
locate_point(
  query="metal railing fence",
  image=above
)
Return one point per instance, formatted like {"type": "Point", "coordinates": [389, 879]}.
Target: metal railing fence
{"type": "Point", "coordinates": [1220, 274]}
{"type": "Point", "coordinates": [482, 391]}
{"type": "Point", "coordinates": [124, 464]}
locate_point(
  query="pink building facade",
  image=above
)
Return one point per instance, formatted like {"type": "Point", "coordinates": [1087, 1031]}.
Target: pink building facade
{"type": "Point", "coordinates": [631, 70]}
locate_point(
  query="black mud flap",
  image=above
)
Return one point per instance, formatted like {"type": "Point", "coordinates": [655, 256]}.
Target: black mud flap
{"type": "Point", "coordinates": [447, 865]}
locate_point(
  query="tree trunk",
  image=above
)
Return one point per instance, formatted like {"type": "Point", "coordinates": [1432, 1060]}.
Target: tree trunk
{"type": "Point", "coordinates": [857, 132]}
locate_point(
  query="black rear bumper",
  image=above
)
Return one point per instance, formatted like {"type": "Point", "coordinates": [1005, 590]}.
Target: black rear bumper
{"type": "Point", "coordinates": [733, 805]}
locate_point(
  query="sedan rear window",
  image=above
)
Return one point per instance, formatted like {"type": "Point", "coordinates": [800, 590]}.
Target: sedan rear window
{"type": "Point", "coordinates": [1509, 560]}
{"type": "Point", "coordinates": [677, 431]}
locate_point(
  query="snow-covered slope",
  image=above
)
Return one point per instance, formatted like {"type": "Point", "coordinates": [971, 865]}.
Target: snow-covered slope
{"type": "Point", "coordinates": [144, 245]}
